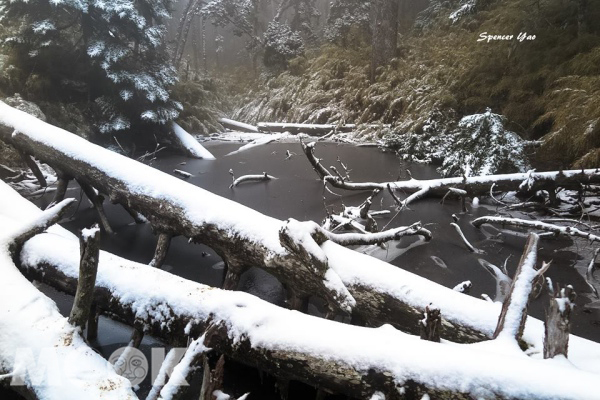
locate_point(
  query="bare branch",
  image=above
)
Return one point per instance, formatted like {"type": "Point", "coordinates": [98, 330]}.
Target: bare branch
{"type": "Point", "coordinates": [252, 178]}
{"type": "Point", "coordinates": [471, 248]}
{"type": "Point", "coordinates": [543, 226]}
{"type": "Point", "coordinates": [352, 239]}
{"type": "Point", "coordinates": [38, 225]}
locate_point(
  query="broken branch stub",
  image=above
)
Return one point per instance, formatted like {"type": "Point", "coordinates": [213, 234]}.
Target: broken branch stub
{"type": "Point", "coordinates": [431, 324]}
{"type": "Point", "coordinates": [558, 321]}
{"type": "Point", "coordinates": [88, 268]}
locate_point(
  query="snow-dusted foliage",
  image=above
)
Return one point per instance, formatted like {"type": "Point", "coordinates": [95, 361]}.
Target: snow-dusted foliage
{"type": "Point", "coordinates": [454, 10]}
{"type": "Point", "coordinates": [304, 18]}
{"type": "Point", "coordinates": [114, 49]}
{"type": "Point", "coordinates": [281, 45]}
{"type": "Point", "coordinates": [346, 15]}
{"type": "Point", "coordinates": [466, 7]}
{"type": "Point", "coordinates": [481, 145]}
{"type": "Point", "coordinates": [478, 145]}
{"type": "Point", "coordinates": [429, 144]}
{"type": "Point", "coordinates": [235, 13]}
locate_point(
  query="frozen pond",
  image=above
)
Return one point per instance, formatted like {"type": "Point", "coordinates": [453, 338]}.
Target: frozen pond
{"type": "Point", "coordinates": [297, 193]}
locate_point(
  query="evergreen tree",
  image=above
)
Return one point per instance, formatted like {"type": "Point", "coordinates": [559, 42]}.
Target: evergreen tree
{"type": "Point", "coordinates": [110, 52]}
{"type": "Point", "coordinates": [346, 17]}
{"type": "Point", "coordinates": [281, 45]}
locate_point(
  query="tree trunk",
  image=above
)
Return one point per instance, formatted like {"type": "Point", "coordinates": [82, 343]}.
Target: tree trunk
{"type": "Point", "coordinates": [385, 33]}
{"type": "Point", "coordinates": [179, 38]}
{"type": "Point", "coordinates": [582, 11]}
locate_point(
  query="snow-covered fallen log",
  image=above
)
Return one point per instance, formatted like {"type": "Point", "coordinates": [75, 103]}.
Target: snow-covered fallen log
{"type": "Point", "coordinates": [257, 142]}
{"type": "Point", "coordinates": [309, 129]}
{"type": "Point", "coordinates": [42, 356]}
{"type": "Point", "coordinates": [375, 291]}
{"type": "Point", "coordinates": [188, 144]}
{"type": "Point", "coordinates": [325, 354]}
{"type": "Point", "coordinates": [240, 235]}
{"type": "Point", "coordinates": [528, 182]}
{"type": "Point", "coordinates": [237, 126]}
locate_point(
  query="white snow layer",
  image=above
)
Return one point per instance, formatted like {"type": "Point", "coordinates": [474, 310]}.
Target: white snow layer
{"type": "Point", "coordinates": [191, 144]}
{"type": "Point", "coordinates": [38, 347]}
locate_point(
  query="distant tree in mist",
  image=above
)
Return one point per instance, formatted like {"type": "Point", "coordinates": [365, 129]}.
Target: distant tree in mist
{"type": "Point", "coordinates": [302, 15]}
{"type": "Point", "coordinates": [347, 19]}
{"type": "Point", "coordinates": [278, 39]}
{"type": "Point", "coordinates": [281, 45]}
{"type": "Point", "coordinates": [108, 53]}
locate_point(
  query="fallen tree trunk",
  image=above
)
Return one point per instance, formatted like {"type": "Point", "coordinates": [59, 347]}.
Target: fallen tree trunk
{"type": "Point", "coordinates": [309, 129]}
{"type": "Point", "coordinates": [529, 182]}
{"type": "Point", "coordinates": [42, 356]}
{"type": "Point", "coordinates": [241, 236]}
{"type": "Point", "coordinates": [256, 333]}
{"type": "Point", "coordinates": [237, 126]}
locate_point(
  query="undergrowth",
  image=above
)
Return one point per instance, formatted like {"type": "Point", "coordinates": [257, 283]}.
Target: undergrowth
{"type": "Point", "coordinates": [547, 88]}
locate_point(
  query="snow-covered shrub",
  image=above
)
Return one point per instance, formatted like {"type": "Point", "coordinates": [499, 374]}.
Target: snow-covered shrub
{"type": "Point", "coordinates": [428, 144]}
{"type": "Point", "coordinates": [478, 145]}
{"type": "Point", "coordinates": [481, 145]}
{"type": "Point", "coordinates": [281, 45]}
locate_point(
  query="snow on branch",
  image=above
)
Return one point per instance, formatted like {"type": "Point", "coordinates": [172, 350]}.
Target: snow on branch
{"type": "Point", "coordinates": [189, 144]}
{"type": "Point", "coordinates": [252, 178]}
{"type": "Point", "coordinates": [473, 185]}
{"type": "Point", "coordinates": [351, 239]}
{"type": "Point", "coordinates": [33, 227]}
{"type": "Point", "coordinates": [191, 360]}
{"type": "Point", "coordinates": [255, 332]}
{"type": "Point", "coordinates": [468, 244]}
{"type": "Point", "coordinates": [511, 322]}
{"type": "Point", "coordinates": [383, 294]}
{"type": "Point", "coordinates": [542, 226]}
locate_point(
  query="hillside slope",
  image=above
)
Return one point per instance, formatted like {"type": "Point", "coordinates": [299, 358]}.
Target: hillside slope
{"type": "Point", "coordinates": [546, 88]}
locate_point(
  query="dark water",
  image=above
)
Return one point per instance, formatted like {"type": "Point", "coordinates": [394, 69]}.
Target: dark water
{"type": "Point", "coordinates": [299, 194]}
